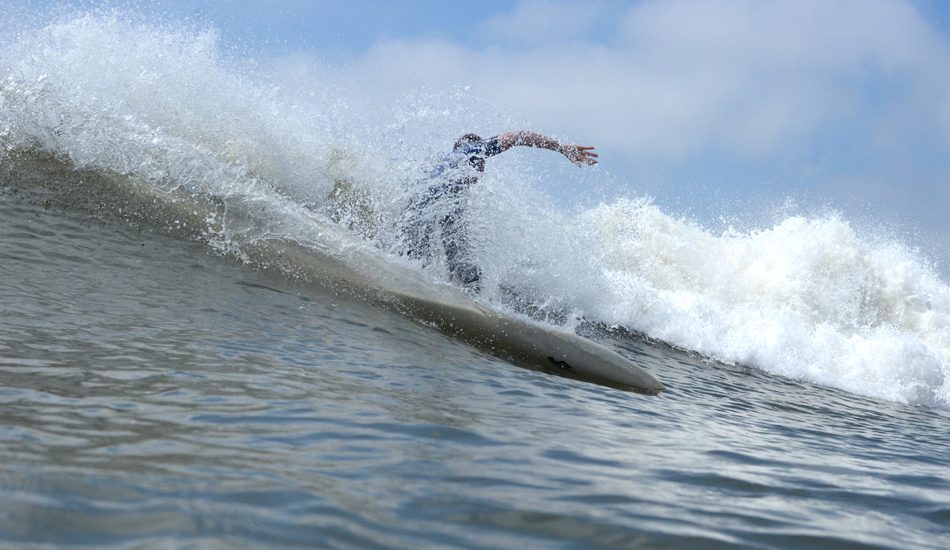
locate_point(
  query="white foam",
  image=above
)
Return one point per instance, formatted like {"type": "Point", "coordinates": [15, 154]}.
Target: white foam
{"type": "Point", "coordinates": [807, 298]}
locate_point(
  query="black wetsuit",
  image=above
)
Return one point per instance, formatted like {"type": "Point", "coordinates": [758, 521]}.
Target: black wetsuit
{"type": "Point", "coordinates": [441, 206]}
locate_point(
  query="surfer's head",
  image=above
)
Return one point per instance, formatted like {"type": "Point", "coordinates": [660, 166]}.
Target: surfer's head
{"type": "Point", "coordinates": [466, 139]}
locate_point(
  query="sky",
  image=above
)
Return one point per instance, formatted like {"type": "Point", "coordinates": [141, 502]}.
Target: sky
{"type": "Point", "coordinates": [712, 107]}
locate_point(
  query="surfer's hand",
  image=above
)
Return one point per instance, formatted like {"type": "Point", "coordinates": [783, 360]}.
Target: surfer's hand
{"type": "Point", "coordinates": [579, 154]}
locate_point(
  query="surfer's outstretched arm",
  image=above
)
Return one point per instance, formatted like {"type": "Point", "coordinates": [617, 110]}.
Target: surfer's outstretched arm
{"type": "Point", "coordinates": [577, 154]}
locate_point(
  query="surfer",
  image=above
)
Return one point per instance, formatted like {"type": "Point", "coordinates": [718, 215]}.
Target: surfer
{"type": "Point", "coordinates": [442, 203]}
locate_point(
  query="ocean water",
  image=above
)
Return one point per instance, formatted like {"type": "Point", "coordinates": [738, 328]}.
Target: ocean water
{"type": "Point", "coordinates": [194, 351]}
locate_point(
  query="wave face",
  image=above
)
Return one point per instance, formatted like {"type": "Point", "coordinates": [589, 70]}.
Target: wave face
{"type": "Point", "coordinates": [196, 142]}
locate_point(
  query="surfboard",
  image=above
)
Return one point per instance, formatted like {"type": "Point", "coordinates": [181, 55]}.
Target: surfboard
{"type": "Point", "coordinates": [553, 350]}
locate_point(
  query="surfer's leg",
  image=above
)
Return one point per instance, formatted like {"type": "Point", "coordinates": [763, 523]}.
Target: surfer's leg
{"type": "Point", "coordinates": [415, 240]}
{"type": "Point", "coordinates": [457, 255]}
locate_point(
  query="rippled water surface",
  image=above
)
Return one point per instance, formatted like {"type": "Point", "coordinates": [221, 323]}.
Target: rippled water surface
{"type": "Point", "coordinates": [154, 394]}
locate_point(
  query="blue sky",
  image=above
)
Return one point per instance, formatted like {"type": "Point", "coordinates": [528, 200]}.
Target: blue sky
{"type": "Point", "coordinates": [713, 107]}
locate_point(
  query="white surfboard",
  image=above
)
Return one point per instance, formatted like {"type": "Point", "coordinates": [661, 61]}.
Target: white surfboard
{"type": "Point", "coordinates": [549, 349]}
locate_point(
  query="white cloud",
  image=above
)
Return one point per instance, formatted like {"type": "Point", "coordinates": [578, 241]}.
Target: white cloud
{"type": "Point", "coordinates": [543, 22]}
{"type": "Point", "coordinates": [746, 78]}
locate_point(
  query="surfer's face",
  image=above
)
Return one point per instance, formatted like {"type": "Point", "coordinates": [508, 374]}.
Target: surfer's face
{"type": "Point", "coordinates": [480, 165]}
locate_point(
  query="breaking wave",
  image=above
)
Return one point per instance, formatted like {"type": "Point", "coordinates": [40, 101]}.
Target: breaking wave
{"type": "Point", "coordinates": [150, 121]}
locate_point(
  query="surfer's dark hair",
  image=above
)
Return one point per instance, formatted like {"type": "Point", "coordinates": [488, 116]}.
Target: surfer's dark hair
{"type": "Point", "coordinates": [467, 138]}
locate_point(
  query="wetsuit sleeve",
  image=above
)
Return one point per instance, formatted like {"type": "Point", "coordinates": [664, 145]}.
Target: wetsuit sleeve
{"type": "Point", "coordinates": [492, 147]}
{"type": "Point", "coordinates": [476, 152]}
